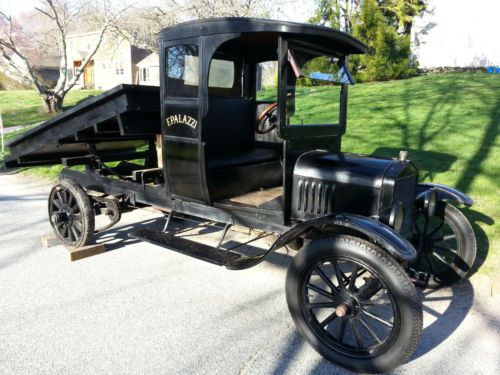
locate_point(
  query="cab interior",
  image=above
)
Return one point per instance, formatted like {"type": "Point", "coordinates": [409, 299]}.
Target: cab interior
{"type": "Point", "coordinates": [243, 168]}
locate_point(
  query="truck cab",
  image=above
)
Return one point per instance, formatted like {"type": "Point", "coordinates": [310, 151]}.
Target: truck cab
{"type": "Point", "coordinates": [228, 140]}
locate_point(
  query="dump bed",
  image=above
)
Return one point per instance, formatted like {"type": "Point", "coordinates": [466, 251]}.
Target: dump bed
{"type": "Point", "coordinates": [112, 124]}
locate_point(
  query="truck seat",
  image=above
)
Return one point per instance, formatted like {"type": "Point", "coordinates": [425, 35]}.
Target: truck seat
{"type": "Point", "coordinates": [236, 164]}
{"type": "Point", "coordinates": [242, 158]}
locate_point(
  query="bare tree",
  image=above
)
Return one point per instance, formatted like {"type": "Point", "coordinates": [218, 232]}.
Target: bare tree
{"type": "Point", "coordinates": [231, 8]}
{"type": "Point", "coordinates": [140, 26]}
{"type": "Point", "coordinates": [61, 17]}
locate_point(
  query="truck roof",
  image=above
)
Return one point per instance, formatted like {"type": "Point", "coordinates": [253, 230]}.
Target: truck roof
{"type": "Point", "coordinates": [320, 35]}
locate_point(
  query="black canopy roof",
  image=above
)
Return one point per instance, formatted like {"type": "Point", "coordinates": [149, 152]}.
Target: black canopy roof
{"type": "Point", "coordinates": [339, 40]}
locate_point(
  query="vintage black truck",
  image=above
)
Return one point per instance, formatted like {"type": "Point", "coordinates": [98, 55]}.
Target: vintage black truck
{"type": "Point", "coordinates": [211, 144]}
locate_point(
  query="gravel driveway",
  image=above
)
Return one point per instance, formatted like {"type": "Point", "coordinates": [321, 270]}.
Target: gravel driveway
{"type": "Point", "coordinates": [143, 309]}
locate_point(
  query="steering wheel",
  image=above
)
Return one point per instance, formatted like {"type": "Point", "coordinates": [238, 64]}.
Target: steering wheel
{"type": "Point", "coordinates": [267, 120]}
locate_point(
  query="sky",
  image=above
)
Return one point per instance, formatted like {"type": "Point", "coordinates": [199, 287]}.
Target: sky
{"type": "Point", "coordinates": [296, 10]}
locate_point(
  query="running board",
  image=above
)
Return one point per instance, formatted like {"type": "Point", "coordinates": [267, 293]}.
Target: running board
{"type": "Point", "coordinates": [219, 257]}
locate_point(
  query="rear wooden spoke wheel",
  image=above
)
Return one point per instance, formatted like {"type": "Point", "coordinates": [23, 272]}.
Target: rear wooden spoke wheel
{"type": "Point", "coordinates": [446, 245]}
{"type": "Point", "coordinates": [71, 214]}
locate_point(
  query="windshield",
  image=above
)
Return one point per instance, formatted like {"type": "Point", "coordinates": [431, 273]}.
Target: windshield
{"type": "Point", "coordinates": [313, 89]}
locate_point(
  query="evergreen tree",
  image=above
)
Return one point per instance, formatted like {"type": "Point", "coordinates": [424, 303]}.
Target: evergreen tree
{"type": "Point", "coordinates": [389, 55]}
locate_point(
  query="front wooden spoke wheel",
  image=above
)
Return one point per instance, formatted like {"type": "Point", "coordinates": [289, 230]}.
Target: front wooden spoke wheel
{"type": "Point", "coordinates": [349, 307]}
{"type": "Point", "coordinates": [354, 303]}
{"type": "Point", "coordinates": [446, 245]}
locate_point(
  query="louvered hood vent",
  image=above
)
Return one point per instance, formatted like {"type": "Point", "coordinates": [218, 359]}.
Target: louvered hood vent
{"type": "Point", "coordinates": [326, 183]}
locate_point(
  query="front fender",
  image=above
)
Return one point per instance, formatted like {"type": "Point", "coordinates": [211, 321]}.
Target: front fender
{"type": "Point", "coordinates": [380, 233]}
{"type": "Point", "coordinates": [445, 192]}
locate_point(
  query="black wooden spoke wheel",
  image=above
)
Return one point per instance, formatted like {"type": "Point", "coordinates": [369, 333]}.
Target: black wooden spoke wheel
{"type": "Point", "coordinates": [354, 304]}
{"type": "Point", "coordinates": [446, 244]}
{"type": "Point", "coordinates": [71, 214]}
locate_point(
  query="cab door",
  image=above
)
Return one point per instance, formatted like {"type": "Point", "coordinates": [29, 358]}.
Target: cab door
{"type": "Point", "coordinates": [181, 125]}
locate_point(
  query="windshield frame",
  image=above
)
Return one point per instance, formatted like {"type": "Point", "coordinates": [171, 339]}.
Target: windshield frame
{"type": "Point", "coordinates": [285, 70]}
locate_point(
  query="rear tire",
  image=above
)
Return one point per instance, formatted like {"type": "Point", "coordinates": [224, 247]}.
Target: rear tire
{"type": "Point", "coordinates": [371, 321]}
{"type": "Point", "coordinates": [71, 214]}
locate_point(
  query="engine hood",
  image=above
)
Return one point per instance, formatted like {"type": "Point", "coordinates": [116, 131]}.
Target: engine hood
{"type": "Point", "coordinates": [345, 168]}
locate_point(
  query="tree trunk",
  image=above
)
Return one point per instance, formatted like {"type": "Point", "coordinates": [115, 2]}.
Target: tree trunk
{"type": "Point", "coordinates": [52, 102]}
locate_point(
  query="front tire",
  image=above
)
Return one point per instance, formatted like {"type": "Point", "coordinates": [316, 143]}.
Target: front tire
{"type": "Point", "coordinates": [446, 245]}
{"type": "Point", "coordinates": [354, 304]}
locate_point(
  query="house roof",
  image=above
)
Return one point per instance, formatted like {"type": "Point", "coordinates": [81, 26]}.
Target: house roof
{"type": "Point", "coordinates": [139, 54]}
{"type": "Point", "coordinates": [151, 60]}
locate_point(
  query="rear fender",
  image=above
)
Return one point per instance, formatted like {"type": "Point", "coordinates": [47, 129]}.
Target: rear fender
{"type": "Point", "coordinates": [445, 192]}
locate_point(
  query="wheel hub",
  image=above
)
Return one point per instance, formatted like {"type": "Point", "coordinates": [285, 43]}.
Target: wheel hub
{"type": "Point", "coordinates": [349, 306]}
{"type": "Point", "coordinates": [62, 216]}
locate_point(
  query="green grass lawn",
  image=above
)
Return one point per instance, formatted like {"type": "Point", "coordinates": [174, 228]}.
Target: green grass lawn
{"type": "Point", "coordinates": [449, 124]}
{"type": "Point", "coordinates": [24, 107]}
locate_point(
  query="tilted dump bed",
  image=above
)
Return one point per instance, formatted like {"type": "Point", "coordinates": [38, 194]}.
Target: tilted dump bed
{"type": "Point", "coordinates": [112, 125]}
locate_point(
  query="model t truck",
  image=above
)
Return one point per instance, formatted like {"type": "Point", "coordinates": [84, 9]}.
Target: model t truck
{"type": "Point", "coordinates": [209, 144]}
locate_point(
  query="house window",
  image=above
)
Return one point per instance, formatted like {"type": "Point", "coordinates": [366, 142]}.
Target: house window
{"type": "Point", "coordinates": [76, 67]}
{"type": "Point", "coordinates": [104, 65]}
{"type": "Point", "coordinates": [145, 74]}
{"type": "Point", "coordinates": [119, 68]}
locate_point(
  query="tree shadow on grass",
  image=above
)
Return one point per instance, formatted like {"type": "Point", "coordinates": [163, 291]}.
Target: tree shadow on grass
{"type": "Point", "coordinates": [474, 164]}
{"type": "Point", "coordinates": [431, 163]}
{"type": "Point", "coordinates": [428, 163]}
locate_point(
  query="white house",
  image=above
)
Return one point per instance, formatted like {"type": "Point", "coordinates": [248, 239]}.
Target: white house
{"type": "Point", "coordinates": [457, 33]}
{"type": "Point", "coordinates": [149, 70]}
{"type": "Point", "coordinates": [115, 62]}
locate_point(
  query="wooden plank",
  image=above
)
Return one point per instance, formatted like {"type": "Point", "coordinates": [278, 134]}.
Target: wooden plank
{"type": "Point", "coordinates": [86, 251]}
{"type": "Point", "coordinates": [50, 240]}
{"type": "Point", "coordinates": [159, 150]}
{"type": "Point", "coordinates": [257, 198]}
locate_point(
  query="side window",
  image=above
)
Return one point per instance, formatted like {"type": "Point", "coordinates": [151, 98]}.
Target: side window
{"type": "Point", "coordinates": [266, 81]}
{"type": "Point", "coordinates": [182, 71]}
{"type": "Point", "coordinates": [224, 77]}
{"type": "Point", "coordinates": [221, 74]}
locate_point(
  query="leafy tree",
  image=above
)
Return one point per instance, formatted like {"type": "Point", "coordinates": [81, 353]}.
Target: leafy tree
{"type": "Point", "coordinates": [389, 55]}
{"type": "Point", "coordinates": [384, 25]}
{"type": "Point", "coordinates": [400, 13]}
{"type": "Point", "coordinates": [338, 14]}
